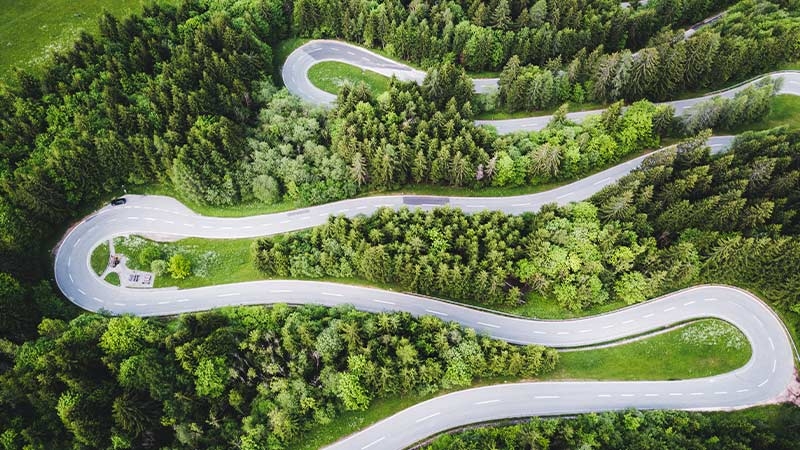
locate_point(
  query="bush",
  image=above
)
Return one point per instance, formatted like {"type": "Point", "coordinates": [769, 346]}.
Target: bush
{"type": "Point", "coordinates": [179, 266]}
{"type": "Point", "coordinates": [148, 255]}
{"type": "Point", "coordinates": [158, 266]}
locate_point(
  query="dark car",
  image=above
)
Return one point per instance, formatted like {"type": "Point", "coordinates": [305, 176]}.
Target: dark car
{"type": "Point", "coordinates": [118, 201]}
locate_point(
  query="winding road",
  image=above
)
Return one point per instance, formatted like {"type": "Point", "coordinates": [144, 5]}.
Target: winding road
{"type": "Point", "coordinates": [295, 77]}
{"type": "Point", "coordinates": [766, 376]}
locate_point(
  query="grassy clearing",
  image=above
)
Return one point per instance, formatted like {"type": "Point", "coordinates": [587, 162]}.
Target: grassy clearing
{"type": "Point", "coordinates": [31, 30]}
{"type": "Point", "coordinates": [700, 349]}
{"type": "Point", "coordinates": [330, 76]}
{"type": "Point", "coordinates": [100, 256]}
{"type": "Point", "coordinates": [213, 261]}
{"type": "Point", "coordinates": [113, 278]}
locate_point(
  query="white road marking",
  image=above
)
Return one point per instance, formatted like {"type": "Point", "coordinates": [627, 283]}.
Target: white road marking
{"type": "Point", "coordinates": [647, 316]}
{"type": "Point", "coordinates": [742, 390]}
{"type": "Point", "coordinates": [69, 261]}
{"type": "Point", "coordinates": [628, 395]}
{"type": "Point", "coordinates": [362, 207]}
{"type": "Point", "coordinates": [120, 304]}
{"type": "Point", "coordinates": [720, 392]}
{"type": "Point", "coordinates": [97, 300]}
{"type": "Point", "coordinates": [141, 304]}
{"type": "Point", "coordinates": [487, 402]}
{"type": "Point", "coordinates": [771, 344]}
{"type": "Point", "coordinates": [628, 321]}
{"type": "Point", "coordinates": [188, 225]}
{"type": "Point", "coordinates": [427, 417]}
{"type": "Point", "coordinates": [231, 294]}
{"type": "Point", "coordinates": [608, 326]}
{"type": "Point", "coordinates": [474, 206]}
{"type": "Point", "coordinates": [584, 331]}
{"type": "Point", "coordinates": [343, 210]}
{"type": "Point", "coordinates": [323, 214]}
{"type": "Point", "coordinates": [689, 303]}
{"type": "Point", "coordinates": [384, 302]}
{"type": "Point", "coordinates": [538, 332]}
{"type": "Point", "coordinates": [604, 395]}
{"type": "Point", "coordinates": [544, 397]}
{"type": "Point", "coordinates": [247, 227]}
{"type": "Point", "coordinates": [763, 382]}
{"type": "Point", "coordinates": [150, 219]}
{"type": "Point", "coordinates": [651, 395]}
{"type": "Point", "coordinates": [710, 299]}
{"type": "Point", "coordinates": [372, 443]}
{"type": "Point", "coordinates": [669, 309]}
{"type": "Point", "coordinates": [279, 291]}
{"type": "Point", "coordinates": [675, 394]}
{"type": "Point", "coordinates": [226, 228]}
{"type": "Point", "coordinates": [284, 221]}
{"type": "Point", "coordinates": [133, 218]}
{"type": "Point", "coordinates": [601, 181]}
{"type": "Point", "coordinates": [563, 332]}
{"type": "Point", "coordinates": [77, 242]}
{"type": "Point", "coordinates": [70, 278]}
{"type": "Point", "coordinates": [774, 365]}
{"type": "Point", "coordinates": [488, 325]}
{"type": "Point", "coordinates": [169, 222]}
{"type": "Point", "coordinates": [183, 300]}
{"type": "Point", "coordinates": [163, 303]}
{"type": "Point", "coordinates": [82, 291]}
{"type": "Point", "coordinates": [564, 196]}
{"type": "Point", "coordinates": [207, 227]}
{"type": "Point", "coordinates": [520, 204]}
{"type": "Point", "coordinates": [331, 294]}
{"type": "Point", "coordinates": [696, 393]}
{"type": "Point", "coordinates": [436, 312]}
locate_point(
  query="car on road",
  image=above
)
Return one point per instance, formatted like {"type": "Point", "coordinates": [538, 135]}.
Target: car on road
{"type": "Point", "coordinates": [118, 201]}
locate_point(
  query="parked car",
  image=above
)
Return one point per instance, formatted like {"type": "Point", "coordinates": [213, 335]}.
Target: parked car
{"type": "Point", "coordinates": [118, 201]}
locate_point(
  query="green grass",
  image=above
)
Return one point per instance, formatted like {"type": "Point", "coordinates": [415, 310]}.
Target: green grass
{"type": "Point", "coordinates": [100, 256]}
{"type": "Point", "coordinates": [785, 111]}
{"type": "Point", "coordinates": [113, 278]}
{"type": "Point", "coordinates": [30, 30]}
{"type": "Point", "coordinates": [699, 349]}
{"type": "Point", "coordinates": [213, 261]}
{"type": "Point", "coordinates": [330, 76]}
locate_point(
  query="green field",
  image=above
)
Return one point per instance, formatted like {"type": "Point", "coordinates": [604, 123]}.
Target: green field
{"type": "Point", "coordinates": [100, 256]}
{"type": "Point", "coordinates": [785, 112]}
{"type": "Point", "coordinates": [32, 29]}
{"type": "Point", "coordinates": [330, 76]}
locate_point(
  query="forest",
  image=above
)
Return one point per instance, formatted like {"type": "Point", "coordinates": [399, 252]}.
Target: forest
{"type": "Point", "coordinates": [181, 96]}
{"type": "Point", "coordinates": [685, 216]}
{"type": "Point", "coordinates": [249, 377]}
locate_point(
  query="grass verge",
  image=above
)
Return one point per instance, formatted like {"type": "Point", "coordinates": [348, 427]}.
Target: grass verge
{"type": "Point", "coordinates": [504, 115]}
{"type": "Point", "coordinates": [113, 278]}
{"type": "Point", "coordinates": [100, 256]}
{"type": "Point", "coordinates": [31, 30]}
{"type": "Point", "coordinates": [699, 349]}
{"type": "Point", "coordinates": [330, 76]}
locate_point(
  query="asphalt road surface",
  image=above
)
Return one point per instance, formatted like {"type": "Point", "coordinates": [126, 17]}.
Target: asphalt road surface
{"type": "Point", "coordinates": [765, 376]}
{"type": "Point", "coordinates": [295, 77]}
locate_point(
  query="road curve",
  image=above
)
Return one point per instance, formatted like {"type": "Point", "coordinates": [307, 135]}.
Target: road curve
{"type": "Point", "coordinates": [295, 77]}
{"type": "Point", "coordinates": [765, 376]}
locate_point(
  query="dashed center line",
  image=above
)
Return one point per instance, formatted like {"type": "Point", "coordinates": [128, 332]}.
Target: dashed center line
{"type": "Point", "coordinates": [763, 383]}
{"type": "Point", "coordinates": [331, 294]}
{"type": "Point", "coordinates": [231, 294]}
{"type": "Point", "coordinates": [601, 181]}
{"type": "Point", "coordinates": [373, 443]}
{"type": "Point", "coordinates": [689, 303]}
{"type": "Point", "coordinates": [436, 312]}
{"type": "Point", "coordinates": [546, 397]}
{"type": "Point", "coordinates": [279, 291]}
{"type": "Point", "coordinates": [669, 309]}
{"type": "Point", "coordinates": [385, 302]}
{"type": "Point", "coordinates": [647, 316]}
{"type": "Point", "coordinates": [490, 325]}
{"type": "Point", "coordinates": [427, 417]}
{"type": "Point", "coordinates": [486, 402]}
